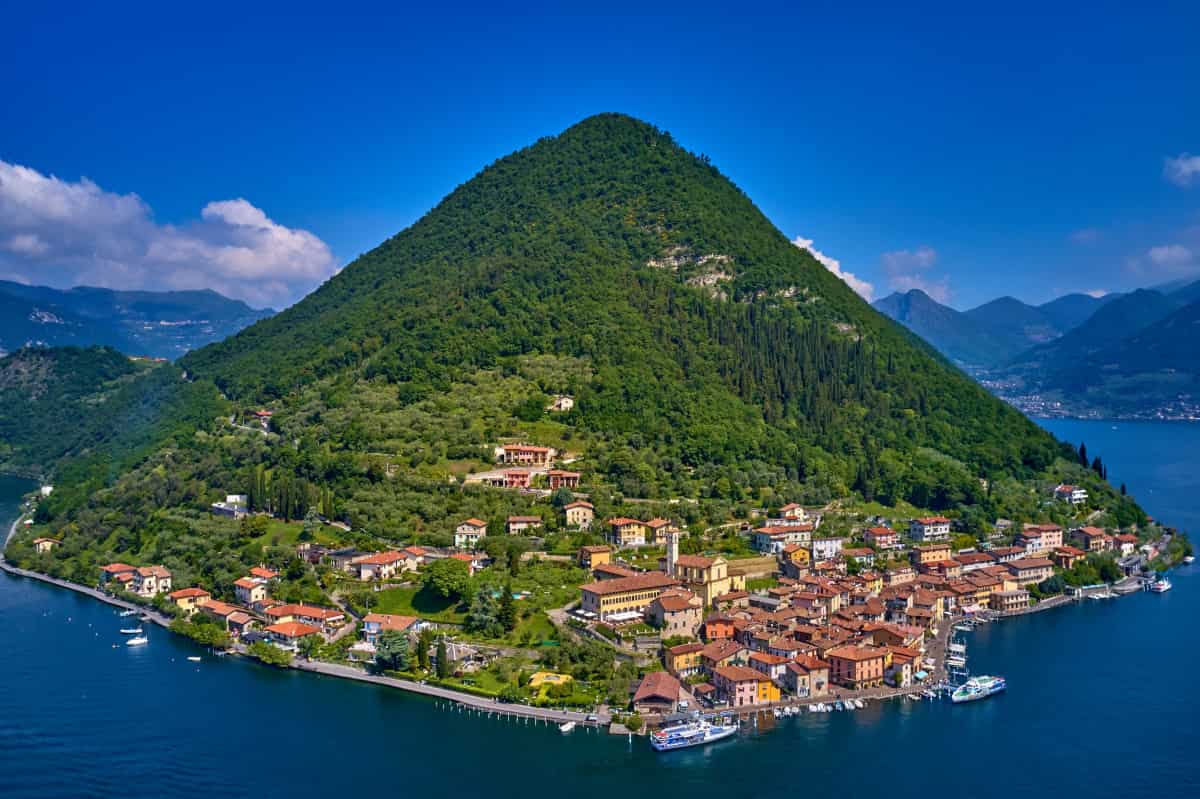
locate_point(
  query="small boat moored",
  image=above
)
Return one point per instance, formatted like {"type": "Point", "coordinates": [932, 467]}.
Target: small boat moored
{"type": "Point", "coordinates": [564, 728]}
{"type": "Point", "coordinates": [131, 631]}
{"type": "Point", "coordinates": [194, 658]}
{"type": "Point", "coordinates": [1161, 586]}
{"type": "Point", "coordinates": [137, 640]}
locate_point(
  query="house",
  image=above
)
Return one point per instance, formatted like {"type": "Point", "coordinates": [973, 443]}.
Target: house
{"type": "Point", "coordinates": [724, 652]}
{"type": "Point", "coordinates": [826, 548]}
{"type": "Point", "coordinates": [793, 512]}
{"type": "Point", "coordinates": [624, 598]}
{"type": "Point", "coordinates": [594, 555]}
{"type": "Point", "coordinates": [772, 538]}
{"type": "Point", "coordinates": [151, 580]}
{"type": "Point", "coordinates": [929, 528]}
{"type": "Point", "coordinates": [380, 566]}
{"type": "Point", "coordinates": [806, 676]}
{"type": "Point", "coordinates": [580, 514]}
{"type": "Point", "coordinates": [773, 666]}
{"type": "Point", "coordinates": [742, 686]}
{"type": "Point", "coordinates": [625, 532]}
{"type": "Point", "coordinates": [676, 612]}
{"type": "Point", "coordinates": [899, 575]}
{"type": "Point", "coordinates": [683, 660]}
{"type": "Point", "coordinates": [561, 404]}
{"type": "Point", "coordinates": [657, 529]}
{"type": "Point", "coordinates": [1038, 539]}
{"type": "Point", "coordinates": [121, 573]}
{"type": "Point", "coordinates": [43, 545]}
{"type": "Point", "coordinates": [1065, 557]}
{"type": "Point", "coordinates": [218, 611]}
{"type": "Point", "coordinates": [1015, 599]}
{"type": "Point", "coordinates": [525, 454]}
{"type": "Point", "coordinates": [904, 664]}
{"type": "Point", "coordinates": [924, 554]}
{"type": "Point", "coordinates": [324, 619]}
{"type": "Point", "coordinates": [794, 561]}
{"type": "Point", "coordinates": [863, 556]}
{"type": "Point", "coordinates": [376, 624]}
{"type": "Point", "coordinates": [1069, 493]}
{"type": "Point", "coordinates": [240, 622]}
{"type": "Point", "coordinates": [513, 478]}
{"type": "Point", "coordinates": [658, 692]}
{"type": "Point", "coordinates": [263, 573]}
{"type": "Point", "coordinates": [612, 571]}
{"type": "Point", "coordinates": [1127, 542]}
{"type": "Point", "coordinates": [475, 561]}
{"type": "Point", "coordinates": [522, 524]}
{"type": "Point", "coordinates": [189, 600]}
{"type": "Point", "coordinates": [343, 560]}
{"type": "Point", "coordinates": [1007, 554]}
{"type": "Point", "coordinates": [717, 627]}
{"type": "Point", "coordinates": [1029, 571]}
{"type": "Point", "coordinates": [974, 561]}
{"type": "Point", "coordinates": [248, 590]}
{"type": "Point", "coordinates": [468, 533]}
{"type": "Point", "coordinates": [415, 558]}
{"type": "Point", "coordinates": [289, 634]}
{"type": "Point", "coordinates": [708, 578]}
{"type": "Point", "coordinates": [563, 479]}
{"type": "Point", "coordinates": [853, 666]}
{"type": "Point", "coordinates": [882, 538]}
{"type": "Point", "coordinates": [1091, 539]}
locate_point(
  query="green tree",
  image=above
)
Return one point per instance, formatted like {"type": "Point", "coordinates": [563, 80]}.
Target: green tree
{"type": "Point", "coordinates": [507, 613]}
{"type": "Point", "coordinates": [447, 577]}
{"type": "Point", "coordinates": [269, 654]}
{"type": "Point", "coordinates": [443, 660]}
{"type": "Point", "coordinates": [483, 615]}
{"type": "Point", "coordinates": [392, 651]}
{"type": "Point", "coordinates": [424, 642]}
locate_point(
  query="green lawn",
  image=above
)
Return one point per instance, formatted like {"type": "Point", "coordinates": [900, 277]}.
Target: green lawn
{"type": "Point", "coordinates": [417, 601]}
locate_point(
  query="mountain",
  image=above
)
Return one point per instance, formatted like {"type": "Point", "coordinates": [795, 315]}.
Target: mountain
{"type": "Point", "coordinates": [688, 327]}
{"type": "Point", "coordinates": [955, 334]}
{"type": "Point", "coordinates": [156, 324]}
{"type": "Point", "coordinates": [1112, 323]}
{"type": "Point", "coordinates": [1071, 310]}
{"type": "Point", "coordinates": [1187, 293]}
{"type": "Point", "coordinates": [1015, 323]}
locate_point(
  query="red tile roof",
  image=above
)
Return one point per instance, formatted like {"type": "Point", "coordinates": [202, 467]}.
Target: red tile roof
{"type": "Point", "coordinates": [658, 685]}
{"type": "Point", "coordinates": [637, 582]}
{"type": "Point", "coordinates": [293, 629]}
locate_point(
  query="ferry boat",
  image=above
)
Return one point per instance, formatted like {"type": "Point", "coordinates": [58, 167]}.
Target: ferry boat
{"type": "Point", "coordinates": [977, 688]}
{"type": "Point", "coordinates": [137, 640]}
{"type": "Point", "coordinates": [1161, 586]}
{"type": "Point", "coordinates": [690, 733]}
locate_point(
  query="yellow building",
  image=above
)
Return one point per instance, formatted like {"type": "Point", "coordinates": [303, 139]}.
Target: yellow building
{"type": "Point", "coordinates": [624, 532]}
{"type": "Point", "coordinates": [707, 578]}
{"type": "Point", "coordinates": [624, 595]}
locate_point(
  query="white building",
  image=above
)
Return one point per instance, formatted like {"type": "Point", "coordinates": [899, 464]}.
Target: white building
{"type": "Point", "coordinates": [467, 534]}
{"type": "Point", "coordinates": [929, 529]}
{"type": "Point", "coordinates": [826, 548]}
{"type": "Point", "coordinates": [1069, 493]}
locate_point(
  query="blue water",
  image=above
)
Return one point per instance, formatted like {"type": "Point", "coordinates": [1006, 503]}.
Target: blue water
{"type": "Point", "coordinates": [1102, 703]}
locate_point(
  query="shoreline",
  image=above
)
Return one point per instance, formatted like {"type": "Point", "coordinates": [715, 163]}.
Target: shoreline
{"type": "Point", "coordinates": [465, 701]}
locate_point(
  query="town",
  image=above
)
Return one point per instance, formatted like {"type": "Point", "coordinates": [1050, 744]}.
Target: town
{"type": "Point", "coordinates": [648, 619]}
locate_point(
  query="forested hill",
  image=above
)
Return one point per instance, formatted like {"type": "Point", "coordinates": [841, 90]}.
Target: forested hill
{"type": "Point", "coordinates": [701, 334]}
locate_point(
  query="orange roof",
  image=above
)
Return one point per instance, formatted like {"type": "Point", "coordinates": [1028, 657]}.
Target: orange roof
{"type": "Point", "coordinates": [465, 557]}
{"type": "Point", "coordinates": [634, 583]}
{"type": "Point", "coordinates": [685, 649]}
{"type": "Point", "coordinates": [739, 674]}
{"type": "Point", "coordinates": [621, 521]}
{"type": "Point", "coordinates": [387, 621]}
{"type": "Point", "coordinates": [184, 593]}
{"type": "Point", "coordinates": [266, 574]}
{"type": "Point", "coordinates": [475, 522]}
{"type": "Point", "coordinates": [308, 611]}
{"type": "Point", "coordinates": [293, 629]}
{"type": "Point", "coordinates": [117, 568]}
{"type": "Point", "coordinates": [657, 685]}
{"type": "Point", "coordinates": [524, 519]}
{"type": "Point", "coordinates": [932, 520]}
{"type": "Point", "coordinates": [579, 503]}
{"type": "Point", "coordinates": [656, 523]}
{"type": "Point", "coordinates": [768, 658]}
{"type": "Point", "coordinates": [247, 582]}
{"type": "Point", "coordinates": [153, 571]}
{"type": "Point", "coordinates": [218, 608]}
{"type": "Point", "coordinates": [694, 561]}
{"type": "Point", "coordinates": [858, 652]}
{"type": "Point", "coordinates": [383, 558]}
{"type": "Point", "coordinates": [239, 617]}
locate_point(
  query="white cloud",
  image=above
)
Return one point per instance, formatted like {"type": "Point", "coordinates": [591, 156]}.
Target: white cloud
{"type": "Point", "coordinates": [1182, 169]}
{"type": "Point", "coordinates": [908, 269]}
{"type": "Point", "coordinates": [63, 233]}
{"type": "Point", "coordinates": [862, 287]}
{"type": "Point", "coordinates": [1169, 255]}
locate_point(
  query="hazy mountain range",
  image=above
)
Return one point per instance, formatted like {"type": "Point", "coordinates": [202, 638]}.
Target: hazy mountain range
{"type": "Point", "coordinates": [1128, 355]}
{"type": "Point", "coordinates": [158, 324]}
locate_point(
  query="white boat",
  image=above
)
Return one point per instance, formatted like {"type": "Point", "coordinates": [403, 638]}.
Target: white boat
{"type": "Point", "coordinates": [691, 733]}
{"type": "Point", "coordinates": [129, 613]}
{"type": "Point", "coordinates": [194, 658]}
{"type": "Point", "coordinates": [1161, 586]}
{"type": "Point", "coordinates": [980, 687]}
{"type": "Point", "coordinates": [858, 703]}
{"type": "Point", "coordinates": [131, 631]}
{"type": "Point", "coordinates": [814, 709]}
{"type": "Point", "coordinates": [564, 728]}
{"type": "Point", "coordinates": [1189, 559]}
{"type": "Point", "coordinates": [137, 640]}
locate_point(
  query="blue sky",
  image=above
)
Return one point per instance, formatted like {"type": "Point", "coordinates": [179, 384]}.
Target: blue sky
{"type": "Point", "coordinates": [1017, 150]}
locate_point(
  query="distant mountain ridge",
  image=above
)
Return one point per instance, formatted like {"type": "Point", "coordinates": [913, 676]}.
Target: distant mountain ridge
{"type": "Point", "coordinates": [1124, 354]}
{"type": "Point", "coordinates": [158, 324]}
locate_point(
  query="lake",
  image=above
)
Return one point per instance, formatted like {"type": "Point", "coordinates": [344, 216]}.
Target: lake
{"type": "Point", "coordinates": [1100, 704]}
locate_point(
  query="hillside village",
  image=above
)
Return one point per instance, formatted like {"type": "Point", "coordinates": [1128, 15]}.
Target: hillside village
{"type": "Point", "coordinates": [644, 615]}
